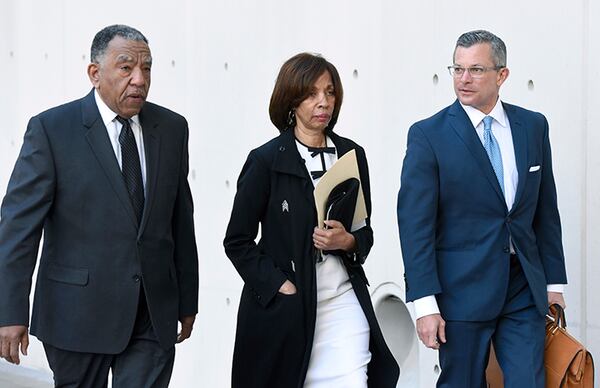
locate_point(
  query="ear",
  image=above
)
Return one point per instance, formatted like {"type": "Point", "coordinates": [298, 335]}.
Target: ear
{"type": "Point", "coordinates": [93, 71]}
{"type": "Point", "coordinates": [502, 76]}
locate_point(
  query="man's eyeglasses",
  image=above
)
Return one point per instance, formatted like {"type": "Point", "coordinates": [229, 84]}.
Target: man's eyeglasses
{"type": "Point", "coordinates": [475, 71]}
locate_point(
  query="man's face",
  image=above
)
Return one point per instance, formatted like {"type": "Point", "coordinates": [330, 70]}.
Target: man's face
{"type": "Point", "coordinates": [122, 78]}
{"type": "Point", "coordinates": [480, 93]}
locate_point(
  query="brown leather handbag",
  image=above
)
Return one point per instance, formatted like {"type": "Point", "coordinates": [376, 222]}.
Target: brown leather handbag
{"type": "Point", "coordinates": [566, 361]}
{"type": "Point", "coordinates": [568, 364]}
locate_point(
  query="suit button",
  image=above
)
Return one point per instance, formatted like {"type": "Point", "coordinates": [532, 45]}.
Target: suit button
{"type": "Point", "coordinates": [136, 278]}
{"type": "Point", "coordinates": [508, 220]}
{"type": "Point", "coordinates": [506, 249]}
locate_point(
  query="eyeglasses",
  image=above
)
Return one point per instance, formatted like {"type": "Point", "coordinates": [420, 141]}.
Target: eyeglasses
{"type": "Point", "coordinates": [475, 71]}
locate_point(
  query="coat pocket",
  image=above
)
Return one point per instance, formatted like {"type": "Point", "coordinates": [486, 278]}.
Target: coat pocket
{"type": "Point", "coordinates": [75, 276]}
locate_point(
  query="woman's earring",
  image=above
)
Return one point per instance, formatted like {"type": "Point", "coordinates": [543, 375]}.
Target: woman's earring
{"type": "Point", "coordinates": [291, 118]}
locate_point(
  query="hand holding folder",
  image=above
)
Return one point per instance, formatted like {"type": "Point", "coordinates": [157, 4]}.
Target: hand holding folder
{"type": "Point", "coordinates": [339, 196]}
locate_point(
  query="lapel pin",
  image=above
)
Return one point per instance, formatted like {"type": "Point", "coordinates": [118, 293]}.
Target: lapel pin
{"type": "Point", "coordinates": [285, 207]}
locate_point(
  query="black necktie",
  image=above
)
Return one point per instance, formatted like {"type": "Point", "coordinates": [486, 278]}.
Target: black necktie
{"type": "Point", "coordinates": [132, 171]}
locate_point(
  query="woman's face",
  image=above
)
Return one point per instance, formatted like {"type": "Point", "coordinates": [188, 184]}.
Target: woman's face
{"type": "Point", "coordinates": [314, 113]}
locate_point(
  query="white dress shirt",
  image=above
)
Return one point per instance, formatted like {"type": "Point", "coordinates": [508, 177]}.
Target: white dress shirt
{"type": "Point", "coordinates": [502, 132]}
{"type": "Point", "coordinates": [113, 127]}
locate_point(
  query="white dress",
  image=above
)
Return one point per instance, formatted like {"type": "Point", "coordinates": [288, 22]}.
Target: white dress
{"type": "Point", "coordinates": [340, 352]}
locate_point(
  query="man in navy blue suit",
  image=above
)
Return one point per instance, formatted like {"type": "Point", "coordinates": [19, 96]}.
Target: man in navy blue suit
{"type": "Point", "coordinates": [479, 225]}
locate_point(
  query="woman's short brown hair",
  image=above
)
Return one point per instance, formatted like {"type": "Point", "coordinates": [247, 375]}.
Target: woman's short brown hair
{"type": "Point", "coordinates": [294, 83]}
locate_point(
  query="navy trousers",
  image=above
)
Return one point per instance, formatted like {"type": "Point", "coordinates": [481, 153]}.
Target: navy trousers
{"type": "Point", "coordinates": [518, 336]}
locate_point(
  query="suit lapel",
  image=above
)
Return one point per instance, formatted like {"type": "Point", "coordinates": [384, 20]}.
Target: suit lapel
{"type": "Point", "coordinates": [519, 136]}
{"type": "Point", "coordinates": [288, 161]}
{"type": "Point", "coordinates": [98, 140]}
{"type": "Point", "coordinates": [151, 148]}
{"type": "Point", "coordinates": [464, 128]}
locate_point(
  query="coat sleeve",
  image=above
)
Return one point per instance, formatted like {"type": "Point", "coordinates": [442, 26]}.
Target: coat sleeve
{"type": "Point", "coordinates": [257, 269]}
{"type": "Point", "coordinates": [364, 235]}
{"type": "Point", "coordinates": [186, 253]}
{"type": "Point", "coordinates": [28, 200]}
{"type": "Point", "coordinates": [417, 214]}
{"type": "Point", "coordinates": [546, 222]}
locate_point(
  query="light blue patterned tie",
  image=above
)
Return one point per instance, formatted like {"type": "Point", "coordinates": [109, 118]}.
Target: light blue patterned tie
{"type": "Point", "coordinates": [493, 150]}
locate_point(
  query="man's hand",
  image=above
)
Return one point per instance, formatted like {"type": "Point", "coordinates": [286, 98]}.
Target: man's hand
{"type": "Point", "coordinates": [187, 324]}
{"type": "Point", "coordinates": [287, 288]}
{"type": "Point", "coordinates": [558, 298]}
{"type": "Point", "coordinates": [432, 330]}
{"type": "Point", "coordinates": [10, 339]}
{"type": "Point", "coordinates": [335, 237]}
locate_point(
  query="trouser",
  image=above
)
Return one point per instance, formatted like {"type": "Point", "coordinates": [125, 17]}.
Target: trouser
{"type": "Point", "coordinates": [518, 337]}
{"type": "Point", "coordinates": [143, 363]}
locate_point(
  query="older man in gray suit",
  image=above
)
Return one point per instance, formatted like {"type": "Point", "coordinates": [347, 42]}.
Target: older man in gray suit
{"type": "Point", "coordinates": [105, 179]}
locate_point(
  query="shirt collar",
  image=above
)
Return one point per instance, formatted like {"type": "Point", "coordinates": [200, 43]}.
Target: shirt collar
{"type": "Point", "coordinates": [304, 147]}
{"type": "Point", "coordinates": [108, 116]}
{"type": "Point", "coordinates": [476, 116]}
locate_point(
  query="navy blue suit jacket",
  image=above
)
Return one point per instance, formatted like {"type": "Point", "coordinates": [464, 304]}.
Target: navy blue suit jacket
{"type": "Point", "coordinates": [455, 227]}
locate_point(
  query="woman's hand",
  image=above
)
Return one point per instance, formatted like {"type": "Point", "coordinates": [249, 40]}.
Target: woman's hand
{"type": "Point", "coordinates": [335, 237]}
{"type": "Point", "coordinates": [287, 288]}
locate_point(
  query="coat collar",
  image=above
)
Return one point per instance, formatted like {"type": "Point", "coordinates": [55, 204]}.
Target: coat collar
{"type": "Point", "coordinates": [341, 145]}
{"type": "Point", "coordinates": [288, 161]}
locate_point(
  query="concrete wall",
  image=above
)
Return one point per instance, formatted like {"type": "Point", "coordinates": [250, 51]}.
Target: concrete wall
{"type": "Point", "coordinates": [216, 62]}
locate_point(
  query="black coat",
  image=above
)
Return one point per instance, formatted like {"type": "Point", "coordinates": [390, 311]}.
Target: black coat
{"type": "Point", "coordinates": [275, 331]}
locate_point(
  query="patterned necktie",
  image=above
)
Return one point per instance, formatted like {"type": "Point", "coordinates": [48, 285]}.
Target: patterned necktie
{"type": "Point", "coordinates": [493, 150]}
{"type": "Point", "coordinates": [132, 171]}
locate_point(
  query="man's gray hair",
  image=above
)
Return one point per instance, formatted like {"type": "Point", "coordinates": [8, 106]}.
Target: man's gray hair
{"type": "Point", "coordinates": [104, 36]}
{"type": "Point", "coordinates": [471, 38]}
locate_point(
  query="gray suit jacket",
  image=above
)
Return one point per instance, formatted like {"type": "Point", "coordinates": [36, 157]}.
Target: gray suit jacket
{"type": "Point", "coordinates": [67, 184]}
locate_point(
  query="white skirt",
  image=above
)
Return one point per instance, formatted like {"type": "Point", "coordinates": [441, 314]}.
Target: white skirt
{"type": "Point", "coordinates": [340, 353]}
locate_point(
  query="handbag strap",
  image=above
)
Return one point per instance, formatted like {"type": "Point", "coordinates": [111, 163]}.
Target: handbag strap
{"type": "Point", "coordinates": [557, 314]}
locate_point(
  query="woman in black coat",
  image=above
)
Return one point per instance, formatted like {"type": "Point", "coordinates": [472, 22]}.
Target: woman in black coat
{"type": "Point", "coordinates": [305, 317]}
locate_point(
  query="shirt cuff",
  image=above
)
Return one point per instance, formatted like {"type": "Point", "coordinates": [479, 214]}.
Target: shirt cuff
{"type": "Point", "coordinates": [556, 288]}
{"type": "Point", "coordinates": [426, 305]}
